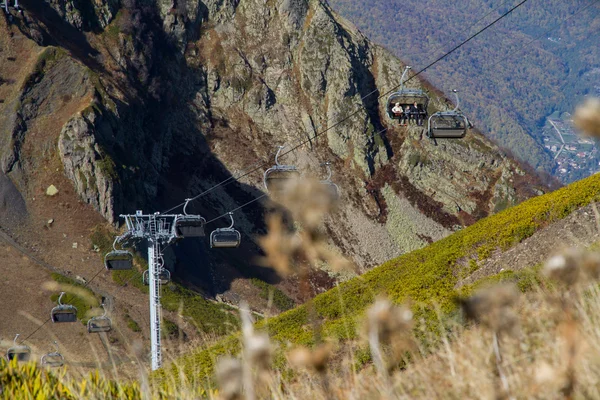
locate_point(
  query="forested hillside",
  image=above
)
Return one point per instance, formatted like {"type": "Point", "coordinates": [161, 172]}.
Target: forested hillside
{"type": "Point", "coordinates": [542, 58]}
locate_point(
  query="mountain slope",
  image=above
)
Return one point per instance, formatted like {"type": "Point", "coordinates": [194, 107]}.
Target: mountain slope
{"type": "Point", "coordinates": [138, 105]}
{"type": "Point", "coordinates": [428, 278]}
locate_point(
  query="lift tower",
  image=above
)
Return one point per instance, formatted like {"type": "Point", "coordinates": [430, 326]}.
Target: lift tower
{"type": "Point", "coordinates": [158, 230]}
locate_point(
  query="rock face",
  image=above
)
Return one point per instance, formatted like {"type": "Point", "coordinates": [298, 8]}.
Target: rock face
{"type": "Point", "coordinates": [183, 94]}
{"type": "Point", "coordinates": [86, 164]}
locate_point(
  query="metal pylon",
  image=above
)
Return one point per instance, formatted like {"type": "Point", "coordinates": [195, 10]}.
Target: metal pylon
{"type": "Point", "coordinates": [158, 230]}
{"type": "Point", "coordinates": [154, 256]}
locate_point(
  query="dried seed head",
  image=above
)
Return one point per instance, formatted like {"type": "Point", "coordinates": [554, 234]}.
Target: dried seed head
{"type": "Point", "coordinates": [315, 359]}
{"type": "Point", "coordinates": [564, 267]}
{"type": "Point", "coordinates": [590, 264]}
{"type": "Point", "coordinates": [544, 374]}
{"type": "Point", "coordinates": [286, 250]}
{"type": "Point", "coordinates": [280, 245]}
{"type": "Point", "coordinates": [257, 346]}
{"type": "Point", "coordinates": [257, 349]}
{"type": "Point", "coordinates": [573, 266]}
{"type": "Point", "coordinates": [389, 320]}
{"type": "Point", "coordinates": [587, 117]}
{"type": "Point", "coordinates": [229, 378]}
{"type": "Point", "coordinates": [493, 307]}
{"type": "Point", "coordinates": [309, 201]}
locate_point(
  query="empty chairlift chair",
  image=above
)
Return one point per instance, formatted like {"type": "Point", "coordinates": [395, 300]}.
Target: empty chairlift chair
{"type": "Point", "coordinates": [63, 312]}
{"type": "Point", "coordinates": [100, 323]}
{"type": "Point", "coordinates": [53, 359]}
{"type": "Point", "coordinates": [118, 260]}
{"type": "Point", "coordinates": [164, 276]}
{"type": "Point", "coordinates": [332, 188]}
{"type": "Point", "coordinates": [188, 225]}
{"type": "Point", "coordinates": [20, 352]}
{"type": "Point", "coordinates": [448, 124]}
{"type": "Point", "coordinates": [226, 237]}
{"type": "Point", "coordinates": [407, 98]}
{"type": "Point", "coordinates": [276, 176]}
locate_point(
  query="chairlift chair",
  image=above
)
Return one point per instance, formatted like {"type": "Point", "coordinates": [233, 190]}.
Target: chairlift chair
{"type": "Point", "coordinates": [275, 177]}
{"type": "Point", "coordinates": [53, 358]}
{"type": "Point", "coordinates": [63, 312]}
{"type": "Point", "coordinates": [100, 323]}
{"type": "Point", "coordinates": [118, 260]}
{"type": "Point", "coordinates": [226, 237]}
{"type": "Point", "coordinates": [188, 225]}
{"type": "Point", "coordinates": [448, 124]}
{"type": "Point", "coordinates": [332, 188]}
{"type": "Point", "coordinates": [164, 276]}
{"type": "Point", "coordinates": [407, 97]}
{"type": "Point", "coordinates": [21, 352]}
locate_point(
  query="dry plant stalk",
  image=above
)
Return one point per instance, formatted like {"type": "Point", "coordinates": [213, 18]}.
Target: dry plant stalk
{"type": "Point", "coordinates": [493, 308]}
{"type": "Point", "coordinates": [314, 360]}
{"type": "Point", "coordinates": [574, 269]}
{"type": "Point", "coordinates": [289, 251]}
{"type": "Point", "coordinates": [391, 326]}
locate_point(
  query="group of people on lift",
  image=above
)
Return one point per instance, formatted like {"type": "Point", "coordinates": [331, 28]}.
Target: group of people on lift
{"type": "Point", "coordinates": [407, 113]}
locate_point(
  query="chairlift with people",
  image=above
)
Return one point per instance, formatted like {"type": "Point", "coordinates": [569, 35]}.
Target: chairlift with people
{"type": "Point", "coordinates": [21, 352]}
{"type": "Point", "coordinates": [405, 99]}
{"type": "Point", "coordinates": [53, 359]}
{"type": "Point", "coordinates": [228, 237]}
{"type": "Point", "coordinates": [63, 312]}
{"type": "Point", "coordinates": [100, 323]}
{"type": "Point", "coordinates": [448, 124]}
{"type": "Point", "coordinates": [275, 177]}
{"type": "Point", "coordinates": [188, 225]}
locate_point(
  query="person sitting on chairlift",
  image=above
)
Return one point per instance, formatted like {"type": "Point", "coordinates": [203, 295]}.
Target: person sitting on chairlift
{"type": "Point", "coordinates": [414, 113]}
{"type": "Point", "coordinates": [397, 110]}
{"type": "Point", "coordinates": [421, 114]}
{"type": "Point", "coordinates": [407, 114]}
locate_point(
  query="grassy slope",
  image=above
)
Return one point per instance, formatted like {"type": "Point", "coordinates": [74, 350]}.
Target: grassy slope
{"type": "Point", "coordinates": [426, 276]}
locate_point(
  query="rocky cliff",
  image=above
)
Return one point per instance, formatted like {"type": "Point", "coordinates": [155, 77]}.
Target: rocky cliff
{"type": "Point", "coordinates": [141, 103]}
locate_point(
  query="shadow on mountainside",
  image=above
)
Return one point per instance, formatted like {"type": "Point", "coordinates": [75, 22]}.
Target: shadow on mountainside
{"type": "Point", "coordinates": [58, 32]}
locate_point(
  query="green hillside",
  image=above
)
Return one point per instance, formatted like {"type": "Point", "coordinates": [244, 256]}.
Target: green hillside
{"type": "Point", "coordinates": [427, 277]}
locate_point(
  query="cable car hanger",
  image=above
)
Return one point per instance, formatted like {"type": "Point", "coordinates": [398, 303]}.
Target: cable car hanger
{"type": "Point", "coordinates": [188, 225]}
{"type": "Point", "coordinates": [20, 352]}
{"type": "Point", "coordinates": [63, 312]}
{"type": "Point", "coordinates": [100, 323]}
{"type": "Point", "coordinates": [275, 177]}
{"type": "Point", "coordinates": [118, 260]}
{"type": "Point", "coordinates": [53, 358]}
{"type": "Point", "coordinates": [448, 124]}
{"type": "Point", "coordinates": [333, 189]}
{"type": "Point", "coordinates": [227, 237]}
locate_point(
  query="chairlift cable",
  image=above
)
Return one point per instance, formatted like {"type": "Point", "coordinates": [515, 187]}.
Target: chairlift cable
{"type": "Point", "coordinates": [339, 122]}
